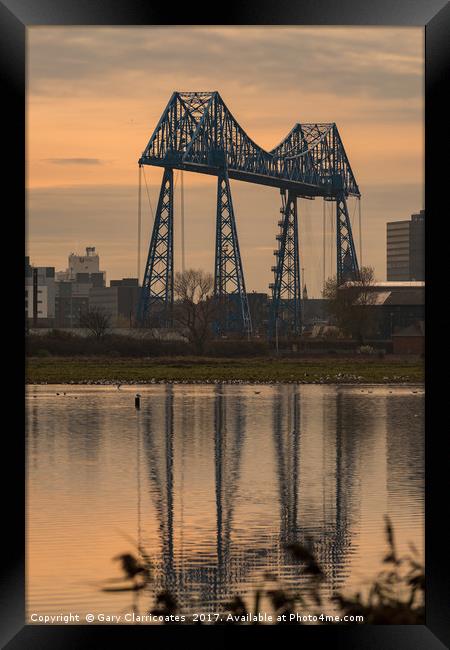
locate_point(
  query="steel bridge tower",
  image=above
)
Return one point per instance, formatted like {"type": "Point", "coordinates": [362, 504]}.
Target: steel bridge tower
{"type": "Point", "coordinates": [286, 288]}
{"type": "Point", "coordinates": [157, 288]}
{"type": "Point", "coordinates": [229, 283]}
{"type": "Point", "coordinates": [347, 263]}
{"type": "Point", "coordinates": [197, 133]}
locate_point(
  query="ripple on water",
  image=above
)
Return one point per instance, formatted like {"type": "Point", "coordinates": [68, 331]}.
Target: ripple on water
{"type": "Point", "coordinates": [213, 481]}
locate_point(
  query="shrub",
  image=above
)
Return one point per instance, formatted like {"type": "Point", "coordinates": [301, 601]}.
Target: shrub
{"type": "Point", "coordinates": [61, 335]}
{"type": "Point", "coordinates": [65, 344]}
{"type": "Point", "coordinates": [42, 352]}
{"type": "Point", "coordinates": [395, 597]}
{"type": "Point", "coordinates": [237, 348]}
{"type": "Point", "coordinates": [365, 349]}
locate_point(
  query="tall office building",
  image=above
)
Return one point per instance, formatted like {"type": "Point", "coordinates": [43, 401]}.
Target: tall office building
{"type": "Point", "coordinates": [417, 246]}
{"type": "Point", "coordinates": [406, 249]}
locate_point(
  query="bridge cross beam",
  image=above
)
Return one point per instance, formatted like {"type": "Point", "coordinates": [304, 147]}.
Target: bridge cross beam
{"type": "Point", "coordinates": [286, 291]}
{"type": "Point", "coordinates": [229, 283]}
{"type": "Point", "coordinates": [156, 299]}
{"type": "Point", "coordinates": [347, 261]}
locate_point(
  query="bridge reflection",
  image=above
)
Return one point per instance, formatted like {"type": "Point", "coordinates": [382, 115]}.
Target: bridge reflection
{"type": "Point", "coordinates": [220, 562]}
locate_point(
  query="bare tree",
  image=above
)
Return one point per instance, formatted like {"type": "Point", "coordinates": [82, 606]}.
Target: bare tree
{"type": "Point", "coordinates": [96, 321]}
{"type": "Point", "coordinates": [349, 304]}
{"type": "Point", "coordinates": [195, 307]}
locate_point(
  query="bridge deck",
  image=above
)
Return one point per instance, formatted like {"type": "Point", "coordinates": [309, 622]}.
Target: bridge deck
{"type": "Point", "coordinates": [301, 189]}
{"type": "Point", "coordinates": [198, 133]}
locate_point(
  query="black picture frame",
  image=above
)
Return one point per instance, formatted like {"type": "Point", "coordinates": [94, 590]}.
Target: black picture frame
{"type": "Point", "coordinates": [15, 17]}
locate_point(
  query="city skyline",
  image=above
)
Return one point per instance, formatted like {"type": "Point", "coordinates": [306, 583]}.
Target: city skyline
{"type": "Point", "coordinates": [91, 111]}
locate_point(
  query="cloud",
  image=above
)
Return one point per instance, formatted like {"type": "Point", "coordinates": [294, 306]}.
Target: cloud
{"type": "Point", "coordinates": [367, 62]}
{"type": "Point", "coordinates": [74, 161]}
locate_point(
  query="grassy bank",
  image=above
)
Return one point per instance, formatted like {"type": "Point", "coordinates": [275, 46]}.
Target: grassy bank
{"type": "Point", "coordinates": [196, 369]}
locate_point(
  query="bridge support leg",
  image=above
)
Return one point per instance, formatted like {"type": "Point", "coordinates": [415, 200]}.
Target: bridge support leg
{"type": "Point", "coordinates": [229, 284]}
{"type": "Point", "coordinates": [347, 262]}
{"type": "Point", "coordinates": [156, 299]}
{"type": "Point", "coordinates": [286, 310]}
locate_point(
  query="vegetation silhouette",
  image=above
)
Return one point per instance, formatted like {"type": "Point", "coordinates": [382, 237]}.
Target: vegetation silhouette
{"type": "Point", "coordinates": [395, 597]}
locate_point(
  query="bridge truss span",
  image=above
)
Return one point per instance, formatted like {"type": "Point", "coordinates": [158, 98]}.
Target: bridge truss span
{"type": "Point", "coordinates": [198, 133]}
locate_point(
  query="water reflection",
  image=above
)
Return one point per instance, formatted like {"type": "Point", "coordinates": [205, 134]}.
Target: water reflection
{"type": "Point", "coordinates": [228, 442]}
{"type": "Point", "coordinates": [158, 445]}
{"type": "Point", "coordinates": [215, 481]}
{"type": "Point", "coordinates": [286, 437]}
{"type": "Point", "coordinates": [404, 459]}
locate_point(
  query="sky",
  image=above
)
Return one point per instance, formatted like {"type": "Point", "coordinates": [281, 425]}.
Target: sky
{"type": "Point", "coordinates": [95, 95]}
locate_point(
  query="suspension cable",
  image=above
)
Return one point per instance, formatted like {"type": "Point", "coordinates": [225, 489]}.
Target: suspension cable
{"type": "Point", "coordinates": [139, 223]}
{"type": "Point", "coordinates": [182, 221]}
{"type": "Point", "coordinates": [314, 262]}
{"type": "Point", "coordinates": [148, 196]}
{"type": "Point", "coordinates": [332, 242]}
{"type": "Point", "coordinates": [303, 239]}
{"type": "Point", "coordinates": [323, 242]}
{"type": "Point", "coordinates": [360, 231]}
{"type": "Point", "coordinates": [352, 223]}
{"type": "Point", "coordinates": [308, 243]}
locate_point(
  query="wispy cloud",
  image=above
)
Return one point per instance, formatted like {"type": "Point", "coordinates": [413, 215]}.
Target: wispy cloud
{"type": "Point", "coordinates": [74, 161]}
{"type": "Point", "coordinates": [364, 61]}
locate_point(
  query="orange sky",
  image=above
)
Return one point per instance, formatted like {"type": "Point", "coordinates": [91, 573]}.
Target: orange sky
{"type": "Point", "coordinates": [96, 94]}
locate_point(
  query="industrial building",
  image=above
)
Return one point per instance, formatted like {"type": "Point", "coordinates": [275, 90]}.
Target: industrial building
{"type": "Point", "coordinates": [59, 299]}
{"type": "Point", "coordinates": [73, 286]}
{"type": "Point", "coordinates": [39, 294]}
{"type": "Point", "coordinates": [409, 340]}
{"type": "Point", "coordinates": [314, 312]}
{"type": "Point", "coordinates": [119, 301]}
{"type": "Point", "coordinates": [405, 255]}
{"type": "Point", "coordinates": [399, 305]}
{"type": "Point", "coordinates": [87, 265]}
{"type": "Point", "coordinates": [394, 306]}
{"type": "Point", "coordinates": [259, 306]}
{"type": "Point", "coordinates": [72, 301]}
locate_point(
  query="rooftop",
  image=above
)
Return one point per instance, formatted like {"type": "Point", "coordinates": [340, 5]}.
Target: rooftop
{"type": "Point", "coordinates": [415, 284]}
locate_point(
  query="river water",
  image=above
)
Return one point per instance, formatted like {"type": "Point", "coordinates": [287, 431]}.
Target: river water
{"type": "Point", "coordinates": [213, 481]}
